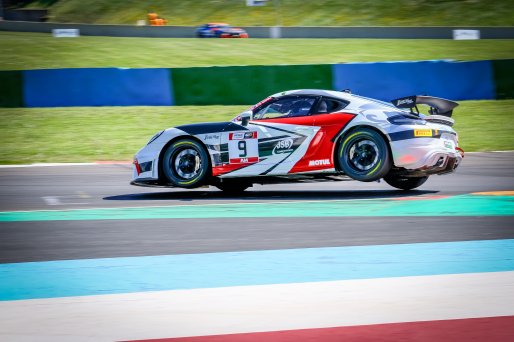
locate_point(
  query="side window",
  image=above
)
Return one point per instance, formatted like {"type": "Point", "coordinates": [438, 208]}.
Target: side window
{"type": "Point", "coordinates": [327, 105]}
{"type": "Point", "coordinates": [286, 107]}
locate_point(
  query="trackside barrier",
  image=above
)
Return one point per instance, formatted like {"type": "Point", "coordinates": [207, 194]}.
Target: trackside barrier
{"type": "Point", "coordinates": [11, 92]}
{"type": "Point", "coordinates": [476, 80]}
{"type": "Point", "coordinates": [504, 78]}
{"type": "Point", "coordinates": [97, 87]}
{"type": "Point", "coordinates": [244, 85]}
{"type": "Point", "coordinates": [389, 80]}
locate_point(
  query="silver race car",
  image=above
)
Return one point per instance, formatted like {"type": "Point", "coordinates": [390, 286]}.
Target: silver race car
{"type": "Point", "coordinates": [307, 135]}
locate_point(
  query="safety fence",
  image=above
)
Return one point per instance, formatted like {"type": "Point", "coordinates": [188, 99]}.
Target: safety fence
{"type": "Point", "coordinates": [231, 85]}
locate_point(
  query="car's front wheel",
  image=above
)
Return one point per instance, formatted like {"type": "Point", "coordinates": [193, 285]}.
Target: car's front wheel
{"type": "Point", "coordinates": [185, 163]}
{"type": "Point", "coordinates": [364, 155]}
{"type": "Point", "coordinates": [405, 183]}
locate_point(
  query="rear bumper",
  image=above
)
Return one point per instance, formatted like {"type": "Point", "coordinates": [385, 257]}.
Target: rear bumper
{"type": "Point", "coordinates": [437, 164]}
{"type": "Point", "coordinates": [445, 164]}
{"type": "Point", "coordinates": [421, 157]}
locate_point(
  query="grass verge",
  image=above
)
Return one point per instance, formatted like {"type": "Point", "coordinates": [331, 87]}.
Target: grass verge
{"type": "Point", "coordinates": [83, 134]}
{"type": "Point", "coordinates": [21, 51]}
{"type": "Point", "coordinates": [287, 12]}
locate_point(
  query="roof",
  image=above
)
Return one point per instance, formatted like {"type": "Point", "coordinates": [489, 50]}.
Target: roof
{"type": "Point", "coordinates": [320, 92]}
{"type": "Point", "coordinates": [356, 101]}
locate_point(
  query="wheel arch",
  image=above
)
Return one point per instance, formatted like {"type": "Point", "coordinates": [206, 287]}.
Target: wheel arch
{"type": "Point", "coordinates": [341, 138]}
{"type": "Point", "coordinates": [174, 139]}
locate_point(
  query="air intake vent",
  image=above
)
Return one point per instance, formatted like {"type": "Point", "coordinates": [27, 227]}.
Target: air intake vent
{"type": "Point", "coordinates": [443, 120]}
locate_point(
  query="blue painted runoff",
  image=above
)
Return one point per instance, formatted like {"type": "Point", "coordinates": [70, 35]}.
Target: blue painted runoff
{"type": "Point", "coordinates": [52, 279]}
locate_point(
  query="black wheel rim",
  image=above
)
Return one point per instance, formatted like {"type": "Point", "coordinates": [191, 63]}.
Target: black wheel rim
{"type": "Point", "coordinates": [363, 155]}
{"type": "Point", "coordinates": [187, 163]}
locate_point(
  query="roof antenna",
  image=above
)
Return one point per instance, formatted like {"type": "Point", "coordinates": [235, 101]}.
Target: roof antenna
{"type": "Point", "coordinates": [347, 90]}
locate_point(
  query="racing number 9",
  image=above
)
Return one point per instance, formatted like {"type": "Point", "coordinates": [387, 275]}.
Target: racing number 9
{"type": "Point", "coordinates": [243, 148]}
{"type": "Point", "coordinates": [241, 145]}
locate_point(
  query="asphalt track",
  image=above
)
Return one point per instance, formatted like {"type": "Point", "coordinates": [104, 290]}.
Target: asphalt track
{"type": "Point", "coordinates": [72, 214]}
{"type": "Point", "coordinates": [106, 186]}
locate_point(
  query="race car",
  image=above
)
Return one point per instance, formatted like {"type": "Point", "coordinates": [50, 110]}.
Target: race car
{"type": "Point", "coordinates": [220, 30]}
{"type": "Point", "coordinates": [304, 136]}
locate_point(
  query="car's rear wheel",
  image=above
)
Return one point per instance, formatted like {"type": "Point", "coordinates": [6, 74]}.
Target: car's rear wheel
{"type": "Point", "coordinates": [405, 183]}
{"type": "Point", "coordinates": [185, 163]}
{"type": "Point", "coordinates": [364, 155]}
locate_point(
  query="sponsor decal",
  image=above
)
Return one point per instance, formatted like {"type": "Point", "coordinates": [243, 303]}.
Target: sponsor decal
{"type": "Point", "coordinates": [404, 101]}
{"type": "Point", "coordinates": [236, 136]}
{"type": "Point", "coordinates": [209, 137]}
{"type": "Point", "coordinates": [242, 135]}
{"type": "Point", "coordinates": [283, 146]}
{"type": "Point", "coordinates": [448, 144]}
{"type": "Point", "coordinates": [422, 132]}
{"type": "Point", "coordinates": [319, 162]}
{"type": "Point", "coordinates": [247, 160]}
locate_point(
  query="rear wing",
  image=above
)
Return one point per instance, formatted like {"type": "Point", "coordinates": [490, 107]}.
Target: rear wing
{"type": "Point", "coordinates": [438, 106]}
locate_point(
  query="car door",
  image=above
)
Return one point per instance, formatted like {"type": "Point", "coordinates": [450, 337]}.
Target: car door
{"type": "Point", "coordinates": [329, 119]}
{"type": "Point", "coordinates": [285, 128]}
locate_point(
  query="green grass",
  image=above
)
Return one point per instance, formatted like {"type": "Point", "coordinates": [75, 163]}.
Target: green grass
{"type": "Point", "coordinates": [485, 125]}
{"type": "Point", "coordinates": [40, 51]}
{"type": "Point", "coordinates": [288, 12]}
{"type": "Point", "coordinates": [115, 133]}
{"type": "Point", "coordinates": [81, 134]}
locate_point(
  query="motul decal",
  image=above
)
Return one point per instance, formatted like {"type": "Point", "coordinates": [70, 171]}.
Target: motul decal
{"type": "Point", "coordinates": [320, 162]}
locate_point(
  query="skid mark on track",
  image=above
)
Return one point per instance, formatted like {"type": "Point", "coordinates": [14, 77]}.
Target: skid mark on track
{"type": "Point", "coordinates": [77, 199]}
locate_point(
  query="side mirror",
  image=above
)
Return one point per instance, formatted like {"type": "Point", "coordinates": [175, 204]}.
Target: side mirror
{"type": "Point", "coordinates": [246, 117]}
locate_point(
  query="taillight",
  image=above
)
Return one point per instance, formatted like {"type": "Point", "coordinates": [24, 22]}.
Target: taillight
{"type": "Point", "coordinates": [461, 151]}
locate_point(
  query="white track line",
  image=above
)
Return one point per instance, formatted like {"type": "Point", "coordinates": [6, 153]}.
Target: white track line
{"type": "Point", "coordinates": [46, 165]}
{"type": "Point", "coordinates": [62, 164]}
{"type": "Point", "coordinates": [258, 308]}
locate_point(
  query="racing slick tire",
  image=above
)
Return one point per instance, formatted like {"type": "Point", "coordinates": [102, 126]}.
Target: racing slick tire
{"type": "Point", "coordinates": [233, 186]}
{"type": "Point", "coordinates": [186, 163]}
{"type": "Point", "coordinates": [364, 155]}
{"type": "Point", "coordinates": [405, 183]}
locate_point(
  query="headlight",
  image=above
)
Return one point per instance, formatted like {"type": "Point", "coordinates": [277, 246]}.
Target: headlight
{"type": "Point", "coordinates": [155, 137]}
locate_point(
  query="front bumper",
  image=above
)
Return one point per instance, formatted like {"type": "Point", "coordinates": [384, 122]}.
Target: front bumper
{"type": "Point", "coordinates": [145, 168]}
